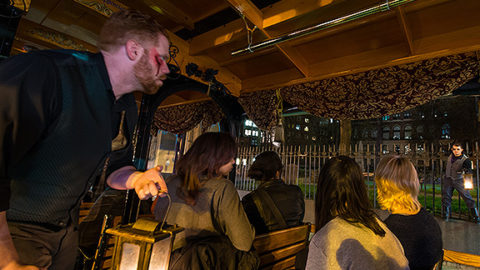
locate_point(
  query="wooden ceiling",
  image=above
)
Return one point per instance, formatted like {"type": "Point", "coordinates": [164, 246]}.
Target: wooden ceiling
{"type": "Point", "coordinates": [207, 31]}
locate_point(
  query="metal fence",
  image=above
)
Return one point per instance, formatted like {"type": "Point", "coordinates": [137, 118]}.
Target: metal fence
{"type": "Point", "coordinates": [302, 165]}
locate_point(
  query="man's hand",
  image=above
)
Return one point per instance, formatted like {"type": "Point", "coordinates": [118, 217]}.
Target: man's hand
{"type": "Point", "coordinates": [149, 183]}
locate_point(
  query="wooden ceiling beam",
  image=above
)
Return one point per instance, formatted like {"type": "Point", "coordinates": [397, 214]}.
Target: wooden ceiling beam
{"type": "Point", "coordinates": [28, 30]}
{"type": "Point", "coordinates": [252, 13]}
{"type": "Point", "coordinates": [295, 58]}
{"type": "Point", "coordinates": [171, 102]}
{"type": "Point", "coordinates": [169, 10]}
{"type": "Point", "coordinates": [184, 57]}
{"type": "Point", "coordinates": [289, 9]}
{"type": "Point", "coordinates": [249, 10]}
{"type": "Point", "coordinates": [365, 61]}
{"type": "Point", "coordinates": [404, 27]}
{"type": "Point", "coordinates": [218, 37]}
{"type": "Point", "coordinates": [277, 13]}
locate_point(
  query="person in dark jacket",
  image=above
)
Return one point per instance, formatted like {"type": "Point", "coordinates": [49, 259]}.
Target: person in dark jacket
{"type": "Point", "coordinates": [274, 205]}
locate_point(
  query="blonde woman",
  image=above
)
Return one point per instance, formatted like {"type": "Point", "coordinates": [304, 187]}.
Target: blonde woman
{"type": "Point", "coordinates": [398, 188]}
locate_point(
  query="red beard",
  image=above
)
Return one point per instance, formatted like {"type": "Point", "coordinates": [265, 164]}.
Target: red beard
{"type": "Point", "coordinates": [145, 75]}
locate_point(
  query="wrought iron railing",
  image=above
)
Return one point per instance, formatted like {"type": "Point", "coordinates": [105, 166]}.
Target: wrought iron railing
{"type": "Point", "coordinates": [302, 165]}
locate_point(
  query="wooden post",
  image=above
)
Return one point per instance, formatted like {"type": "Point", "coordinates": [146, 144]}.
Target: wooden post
{"type": "Point", "coordinates": [345, 136]}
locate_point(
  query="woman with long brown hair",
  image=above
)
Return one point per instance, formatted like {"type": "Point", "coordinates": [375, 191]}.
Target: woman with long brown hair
{"type": "Point", "coordinates": [348, 234]}
{"type": "Point", "coordinates": [203, 202]}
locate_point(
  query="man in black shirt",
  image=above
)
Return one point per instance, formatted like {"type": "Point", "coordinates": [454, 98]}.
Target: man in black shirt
{"type": "Point", "coordinates": [457, 165]}
{"type": "Point", "coordinates": [56, 128]}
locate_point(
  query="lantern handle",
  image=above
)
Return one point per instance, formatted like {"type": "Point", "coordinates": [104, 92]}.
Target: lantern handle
{"type": "Point", "coordinates": [168, 210]}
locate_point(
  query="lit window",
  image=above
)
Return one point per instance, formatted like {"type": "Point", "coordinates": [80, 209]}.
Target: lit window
{"type": "Point", "coordinates": [297, 127]}
{"type": "Point", "coordinates": [306, 129]}
{"type": "Point", "coordinates": [331, 120]}
{"type": "Point", "coordinates": [396, 132]}
{"type": "Point", "coordinates": [248, 123]}
{"type": "Point", "coordinates": [445, 131]}
{"type": "Point", "coordinates": [314, 138]}
{"type": "Point", "coordinates": [248, 132]}
{"type": "Point", "coordinates": [408, 132]}
{"type": "Point", "coordinates": [307, 120]}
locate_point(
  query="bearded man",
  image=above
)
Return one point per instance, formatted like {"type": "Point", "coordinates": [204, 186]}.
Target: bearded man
{"type": "Point", "coordinates": [56, 128]}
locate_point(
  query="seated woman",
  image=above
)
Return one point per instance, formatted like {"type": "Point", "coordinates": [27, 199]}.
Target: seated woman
{"type": "Point", "coordinates": [274, 205]}
{"type": "Point", "coordinates": [208, 207]}
{"type": "Point", "coordinates": [398, 188]}
{"type": "Point", "coordinates": [348, 234]}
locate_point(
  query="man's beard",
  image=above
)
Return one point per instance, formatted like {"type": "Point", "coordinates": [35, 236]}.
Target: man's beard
{"type": "Point", "coordinates": [144, 74]}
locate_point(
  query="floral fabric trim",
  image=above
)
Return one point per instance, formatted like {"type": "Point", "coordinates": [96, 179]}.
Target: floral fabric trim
{"type": "Point", "coordinates": [182, 118]}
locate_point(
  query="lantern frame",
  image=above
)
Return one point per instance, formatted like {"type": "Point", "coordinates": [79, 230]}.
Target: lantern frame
{"type": "Point", "coordinates": [144, 234]}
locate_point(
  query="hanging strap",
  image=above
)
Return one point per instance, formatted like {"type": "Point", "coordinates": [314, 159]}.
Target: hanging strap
{"type": "Point", "coordinates": [261, 199]}
{"type": "Point", "coordinates": [279, 107]}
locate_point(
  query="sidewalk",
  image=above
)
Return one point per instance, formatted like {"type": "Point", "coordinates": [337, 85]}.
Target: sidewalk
{"type": "Point", "coordinates": [459, 235]}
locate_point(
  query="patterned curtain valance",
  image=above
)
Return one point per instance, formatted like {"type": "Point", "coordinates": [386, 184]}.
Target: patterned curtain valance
{"type": "Point", "coordinates": [260, 107]}
{"type": "Point", "coordinates": [182, 118]}
{"type": "Point", "coordinates": [384, 91]}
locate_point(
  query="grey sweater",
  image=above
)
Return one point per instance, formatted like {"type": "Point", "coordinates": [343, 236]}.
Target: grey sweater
{"type": "Point", "coordinates": [217, 211]}
{"type": "Point", "coordinates": [341, 245]}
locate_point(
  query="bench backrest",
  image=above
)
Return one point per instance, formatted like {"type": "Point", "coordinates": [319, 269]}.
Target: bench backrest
{"type": "Point", "coordinates": [84, 210]}
{"type": "Point", "coordinates": [278, 249]}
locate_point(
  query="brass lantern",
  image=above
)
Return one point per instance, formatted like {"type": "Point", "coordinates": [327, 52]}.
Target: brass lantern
{"type": "Point", "coordinates": [143, 245]}
{"type": "Point", "coordinates": [468, 181]}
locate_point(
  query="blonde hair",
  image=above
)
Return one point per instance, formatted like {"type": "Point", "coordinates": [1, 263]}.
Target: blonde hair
{"type": "Point", "coordinates": [397, 185]}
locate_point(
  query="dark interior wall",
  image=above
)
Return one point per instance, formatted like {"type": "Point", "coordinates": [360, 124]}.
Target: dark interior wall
{"type": "Point", "coordinates": [9, 18]}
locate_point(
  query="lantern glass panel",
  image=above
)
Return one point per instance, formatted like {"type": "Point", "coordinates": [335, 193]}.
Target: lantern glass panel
{"type": "Point", "coordinates": [468, 181]}
{"type": "Point", "coordinates": [130, 256]}
{"type": "Point", "coordinates": [160, 254]}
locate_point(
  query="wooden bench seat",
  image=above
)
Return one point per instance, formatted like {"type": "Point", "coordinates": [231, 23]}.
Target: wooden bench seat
{"type": "Point", "coordinates": [278, 249]}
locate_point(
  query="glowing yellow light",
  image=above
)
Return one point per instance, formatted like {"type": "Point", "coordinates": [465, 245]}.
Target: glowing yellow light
{"type": "Point", "coordinates": [468, 181]}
